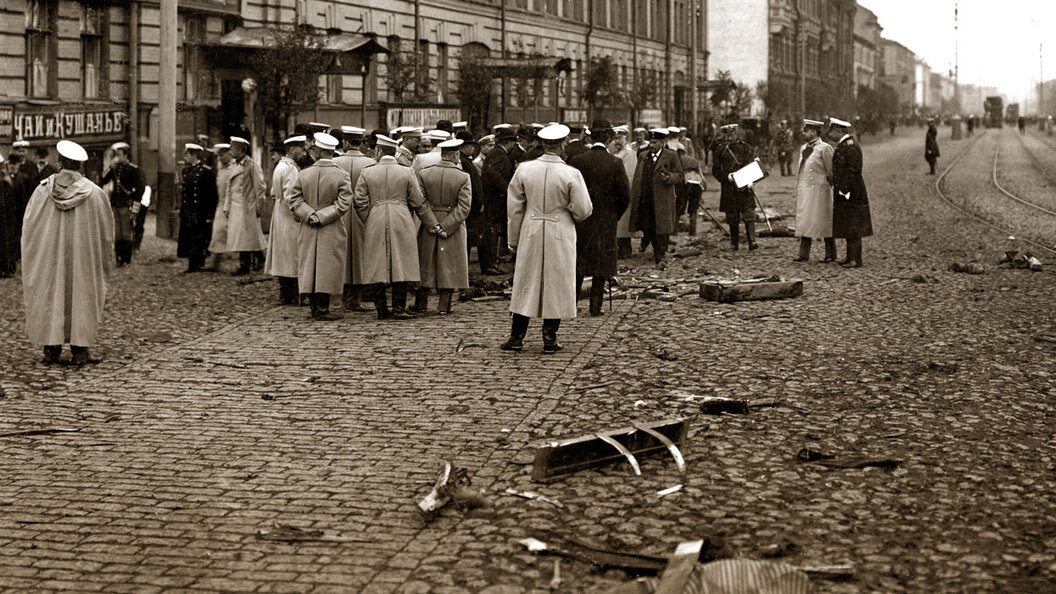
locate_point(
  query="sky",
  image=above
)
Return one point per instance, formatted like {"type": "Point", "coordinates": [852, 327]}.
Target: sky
{"type": "Point", "coordinates": [1000, 42]}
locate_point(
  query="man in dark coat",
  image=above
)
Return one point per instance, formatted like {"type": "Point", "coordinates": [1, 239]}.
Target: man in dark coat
{"type": "Point", "coordinates": [850, 201]}
{"type": "Point", "coordinates": [496, 176]}
{"type": "Point", "coordinates": [658, 173]}
{"type": "Point", "coordinates": [10, 223]}
{"type": "Point", "coordinates": [609, 189]}
{"type": "Point", "coordinates": [127, 182]}
{"type": "Point", "coordinates": [44, 168]}
{"type": "Point", "coordinates": [738, 204]}
{"type": "Point", "coordinates": [477, 232]}
{"type": "Point", "coordinates": [931, 146]}
{"type": "Point", "coordinates": [576, 143]}
{"type": "Point", "coordinates": [198, 199]}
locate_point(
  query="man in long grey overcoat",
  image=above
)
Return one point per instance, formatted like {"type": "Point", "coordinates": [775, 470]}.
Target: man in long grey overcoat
{"type": "Point", "coordinates": [321, 195]}
{"type": "Point", "coordinates": [444, 256]}
{"type": "Point", "coordinates": [545, 200]}
{"type": "Point", "coordinates": [814, 193]}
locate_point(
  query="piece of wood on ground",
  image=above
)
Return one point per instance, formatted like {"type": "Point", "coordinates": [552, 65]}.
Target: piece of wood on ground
{"type": "Point", "coordinates": [675, 576]}
{"type": "Point", "coordinates": [559, 458]}
{"type": "Point", "coordinates": [730, 291]}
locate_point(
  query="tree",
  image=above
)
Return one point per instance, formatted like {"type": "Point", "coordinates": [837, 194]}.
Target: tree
{"type": "Point", "coordinates": [474, 90]}
{"type": "Point", "coordinates": [283, 91]}
{"type": "Point", "coordinates": [643, 94]}
{"type": "Point", "coordinates": [730, 99]}
{"type": "Point", "coordinates": [777, 96]}
{"type": "Point", "coordinates": [402, 76]}
{"type": "Point", "coordinates": [602, 88]}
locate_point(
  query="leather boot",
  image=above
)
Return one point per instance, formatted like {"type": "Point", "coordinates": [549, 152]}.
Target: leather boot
{"type": "Point", "coordinates": [421, 300]}
{"type": "Point", "coordinates": [550, 344]}
{"type": "Point", "coordinates": [518, 329]}
{"type": "Point", "coordinates": [804, 249]}
{"type": "Point", "coordinates": [399, 302]}
{"type": "Point", "coordinates": [288, 290]}
{"type": "Point", "coordinates": [597, 296]}
{"type": "Point", "coordinates": [52, 354]}
{"type": "Point", "coordinates": [749, 233]}
{"type": "Point", "coordinates": [445, 301]}
{"type": "Point", "coordinates": [378, 296]}
{"type": "Point", "coordinates": [830, 249]}
{"type": "Point", "coordinates": [735, 237]}
{"type": "Point", "coordinates": [80, 355]}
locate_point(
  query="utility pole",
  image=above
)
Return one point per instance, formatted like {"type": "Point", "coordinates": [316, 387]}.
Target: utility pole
{"type": "Point", "coordinates": [167, 120]}
{"type": "Point", "coordinates": [502, 69]}
{"type": "Point", "coordinates": [133, 78]}
{"type": "Point", "coordinates": [694, 32]}
{"type": "Point", "coordinates": [956, 64]}
{"type": "Point", "coordinates": [1041, 80]}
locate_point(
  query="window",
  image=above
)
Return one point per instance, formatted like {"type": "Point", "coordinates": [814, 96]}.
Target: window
{"type": "Point", "coordinates": [443, 71]}
{"type": "Point", "coordinates": [620, 19]}
{"type": "Point", "coordinates": [92, 62]}
{"type": "Point", "coordinates": [40, 55]}
{"type": "Point", "coordinates": [334, 85]}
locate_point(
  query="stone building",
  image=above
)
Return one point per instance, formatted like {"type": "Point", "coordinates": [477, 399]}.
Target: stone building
{"type": "Point", "coordinates": [87, 70]}
{"type": "Point", "coordinates": [867, 31]}
{"type": "Point", "coordinates": [898, 70]}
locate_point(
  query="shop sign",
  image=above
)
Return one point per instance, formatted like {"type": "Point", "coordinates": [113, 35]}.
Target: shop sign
{"type": "Point", "coordinates": [59, 124]}
{"type": "Point", "coordinates": [425, 117]}
{"type": "Point", "coordinates": [7, 120]}
{"type": "Point", "coordinates": [651, 117]}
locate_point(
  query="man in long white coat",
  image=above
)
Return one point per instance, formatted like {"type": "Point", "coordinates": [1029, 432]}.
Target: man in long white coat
{"type": "Point", "coordinates": [245, 197]}
{"type": "Point", "coordinates": [353, 162]}
{"type": "Point", "coordinates": [546, 198]}
{"type": "Point", "coordinates": [621, 148]}
{"type": "Point", "coordinates": [814, 193]}
{"type": "Point", "coordinates": [67, 254]}
{"type": "Point", "coordinates": [386, 194]}
{"type": "Point", "coordinates": [321, 195]}
{"type": "Point", "coordinates": [218, 241]}
{"type": "Point", "coordinates": [281, 260]}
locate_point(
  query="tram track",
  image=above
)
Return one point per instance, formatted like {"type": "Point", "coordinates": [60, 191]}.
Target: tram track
{"type": "Point", "coordinates": [997, 184]}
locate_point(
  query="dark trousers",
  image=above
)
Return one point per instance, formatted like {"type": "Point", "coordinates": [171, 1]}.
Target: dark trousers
{"type": "Point", "coordinates": [785, 160]}
{"type": "Point", "coordinates": [245, 262]}
{"type": "Point", "coordinates": [693, 194]}
{"type": "Point", "coordinates": [487, 248]}
{"type": "Point", "coordinates": [288, 292]}
{"type": "Point", "coordinates": [597, 292]}
{"type": "Point", "coordinates": [854, 250]}
{"type": "Point", "coordinates": [353, 297]}
{"type": "Point", "coordinates": [659, 243]}
{"type": "Point", "coordinates": [123, 251]}
{"type": "Point", "coordinates": [623, 247]}
{"type": "Point", "coordinates": [196, 262]}
{"type": "Point", "coordinates": [804, 248]}
{"type": "Point", "coordinates": [137, 228]}
{"type": "Point", "coordinates": [320, 303]}
{"type": "Point", "coordinates": [931, 163]}
{"type": "Point", "coordinates": [520, 327]}
{"type": "Point", "coordinates": [399, 298]}
{"type": "Point", "coordinates": [734, 219]}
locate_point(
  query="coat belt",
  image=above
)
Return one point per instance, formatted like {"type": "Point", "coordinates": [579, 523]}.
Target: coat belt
{"type": "Point", "coordinates": [442, 208]}
{"type": "Point", "coordinates": [551, 218]}
{"type": "Point", "coordinates": [380, 202]}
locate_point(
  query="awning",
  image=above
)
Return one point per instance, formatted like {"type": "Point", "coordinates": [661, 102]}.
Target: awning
{"type": "Point", "coordinates": [264, 37]}
{"type": "Point", "coordinates": [534, 67]}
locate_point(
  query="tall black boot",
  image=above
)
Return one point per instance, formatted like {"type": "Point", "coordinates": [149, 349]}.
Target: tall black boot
{"type": "Point", "coordinates": [378, 297]}
{"type": "Point", "coordinates": [518, 329]}
{"type": "Point", "coordinates": [749, 233]}
{"type": "Point", "coordinates": [735, 235]}
{"type": "Point", "coordinates": [830, 249]}
{"type": "Point", "coordinates": [550, 344]}
{"type": "Point", "coordinates": [245, 262]}
{"type": "Point", "coordinates": [804, 249]}
{"type": "Point", "coordinates": [288, 290]}
{"type": "Point", "coordinates": [421, 300]}
{"type": "Point", "coordinates": [399, 301]}
{"type": "Point", "coordinates": [597, 295]}
{"type": "Point", "coordinates": [445, 301]}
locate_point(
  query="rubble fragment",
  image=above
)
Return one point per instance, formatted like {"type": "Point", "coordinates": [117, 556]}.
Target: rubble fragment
{"type": "Point", "coordinates": [967, 268]}
{"type": "Point", "coordinates": [755, 289]}
{"type": "Point", "coordinates": [558, 458]}
{"type": "Point", "coordinates": [716, 405]}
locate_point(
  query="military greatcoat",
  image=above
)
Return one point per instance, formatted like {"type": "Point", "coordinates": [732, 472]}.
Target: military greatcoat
{"type": "Point", "coordinates": [245, 195]}
{"type": "Point", "coordinates": [283, 239]}
{"type": "Point", "coordinates": [445, 262]}
{"type": "Point", "coordinates": [546, 198]}
{"type": "Point", "coordinates": [814, 191]}
{"type": "Point", "coordinates": [324, 189]}
{"type": "Point", "coordinates": [729, 157]}
{"type": "Point", "coordinates": [354, 161]}
{"type": "Point", "coordinates": [850, 200]}
{"type": "Point", "coordinates": [606, 179]}
{"type": "Point", "coordinates": [385, 196]}
{"type": "Point", "coordinates": [198, 201]}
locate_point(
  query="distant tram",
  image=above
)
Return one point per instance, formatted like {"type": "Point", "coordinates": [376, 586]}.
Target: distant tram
{"type": "Point", "coordinates": [1012, 114]}
{"type": "Point", "coordinates": [994, 106]}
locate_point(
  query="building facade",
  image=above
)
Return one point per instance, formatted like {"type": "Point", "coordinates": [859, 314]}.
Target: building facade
{"type": "Point", "coordinates": [87, 70]}
{"type": "Point", "coordinates": [867, 32]}
{"type": "Point", "coordinates": [899, 71]}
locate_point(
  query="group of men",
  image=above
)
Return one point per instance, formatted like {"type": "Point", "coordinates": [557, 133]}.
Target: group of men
{"type": "Point", "coordinates": [19, 175]}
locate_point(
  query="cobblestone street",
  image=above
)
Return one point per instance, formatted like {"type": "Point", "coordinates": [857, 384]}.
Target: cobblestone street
{"type": "Point", "coordinates": [215, 416]}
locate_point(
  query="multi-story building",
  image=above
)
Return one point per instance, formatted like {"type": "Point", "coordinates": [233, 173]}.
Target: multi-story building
{"type": "Point", "coordinates": [922, 92]}
{"type": "Point", "coordinates": [867, 32]}
{"type": "Point", "coordinates": [898, 70]}
{"type": "Point", "coordinates": [88, 70]}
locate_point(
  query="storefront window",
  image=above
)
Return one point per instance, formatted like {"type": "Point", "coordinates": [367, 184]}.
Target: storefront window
{"type": "Point", "coordinates": [40, 60]}
{"type": "Point", "coordinates": [92, 63]}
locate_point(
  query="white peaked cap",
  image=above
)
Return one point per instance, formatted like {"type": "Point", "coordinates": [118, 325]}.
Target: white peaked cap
{"type": "Point", "coordinates": [221, 146]}
{"type": "Point", "coordinates": [839, 123]}
{"type": "Point", "coordinates": [297, 138]}
{"type": "Point", "coordinates": [554, 132]}
{"type": "Point", "coordinates": [324, 141]}
{"type": "Point", "coordinates": [621, 130]}
{"type": "Point", "coordinates": [450, 144]}
{"type": "Point", "coordinates": [487, 138]}
{"type": "Point", "coordinates": [352, 130]}
{"type": "Point", "coordinates": [386, 141]}
{"type": "Point", "coordinates": [235, 139]}
{"type": "Point", "coordinates": [438, 135]}
{"type": "Point", "coordinates": [660, 132]}
{"type": "Point", "coordinates": [190, 146]}
{"type": "Point", "coordinates": [20, 144]}
{"type": "Point", "coordinates": [813, 123]}
{"type": "Point", "coordinates": [460, 125]}
{"type": "Point", "coordinates": [119, 145]}
{"type": "Point", "coordinates": [72, 151]}
{"type": "Point", "coordinates": [673, 129]}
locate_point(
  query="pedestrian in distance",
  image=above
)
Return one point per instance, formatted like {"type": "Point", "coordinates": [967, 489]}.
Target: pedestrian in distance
{"type": "Point", "coordinates": [353, 161]}
{"type": "Point", "coordinates": [245, 198]}
{"type": "Point", "coordinates": [656, 177]}
{"type": "Point", "coordinates": [443, 255]}
{"type": "Point", "coordinates": [67, 247]}
{"type": "Point", "coordinates": [851, 219]}
{"type": "Point", "coordinates": [320, 197]}
{"type": "Point", "coordinates": [126, 184]}
{"type": "Point", "coordinates": [931, 146]}
{"type": "Point", "coordinates": [609, 191]}
{"type": "Point", "coordinates": [785, 145]}
{"type": "Point", "coordinates": [546, 199]}
{"type": "Point", "coordinates": [814, 193]}
{"type": "Point", "coordinates": [738, 204]}
{"type": "Point", "coordinates": [281, 259]}
{"type": "Point", "coordinates": [385, 196]}
{"type": "Point", "coordinates": [198, 199]}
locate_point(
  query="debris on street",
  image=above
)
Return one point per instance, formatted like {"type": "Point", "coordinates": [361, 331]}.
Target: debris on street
{"type": "Point", "coordinates": [668, 491]}
{"type": "Point", "coordinates": [534, 496]}
{"type": "Point", "coordinates": [600, 557]}
{"type": "Point", "coordinates": [967, 268]}
{"type": "Point", "coordinates": [451, 485]}
{"type": "Point", "coordinates": [716, 405]}
{"type": "Point", "coordinates": [831, 461]}
{"type": "Point", "coordinates": [287, 533]}
{"type": "Point", "coordinates": [559, 458]}
{"type": "Point", "coordinates": [728, 576]}
{"type": "Point", "coordinates": [754, 289]}
{"type": "Point", "coordinates": [40, 432]}
{"type": "Point", "coordinates": [555, 581]}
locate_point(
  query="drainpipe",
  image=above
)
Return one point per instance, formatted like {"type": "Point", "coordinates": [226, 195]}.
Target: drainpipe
{"type": "Point", "coordinates": [634, 58]}
{"type": "Point", "coordinates": [133, 78]}
{"type": "Point", "coordinates": [590, 33]}
{"type": "Point", "coordinates": [417, 44]}
{"type": "Point", "coordinates": [667, 59]}
{"type": "Point", "coordinates": [502, 33]}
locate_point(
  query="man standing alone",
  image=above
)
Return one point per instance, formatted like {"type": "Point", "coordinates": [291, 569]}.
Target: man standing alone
{"type": "Point", "coordinates": [850, 201]}
{"type": "Point", "coordinates": [546, 199]}
{"type": "Point", "coordinates": [321, 195]}
{"type": "Point", "coordinates": [67, 242]}
{"type": "Point", "coordinates": [814, 193]}
{"type": "Point", "coordinates": [931, 146]}
{"type": "Point", "coordinates": [127, 184]}
{"type": "Point", "coordinates": [198, 200]}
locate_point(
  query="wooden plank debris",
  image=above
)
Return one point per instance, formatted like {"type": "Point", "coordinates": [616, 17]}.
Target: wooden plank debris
{"type": "Point", "coordinates": [559, 458]}
{"type": "Point", "coordinates": [727, 291]}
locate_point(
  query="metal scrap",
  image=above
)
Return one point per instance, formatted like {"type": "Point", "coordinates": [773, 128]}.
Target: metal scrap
{"type": "Point", "coordinates": [535, 496]}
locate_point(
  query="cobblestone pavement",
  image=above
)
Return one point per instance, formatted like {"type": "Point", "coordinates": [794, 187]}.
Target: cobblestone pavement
{"type": "Point", "coordinates": [255, 418]}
